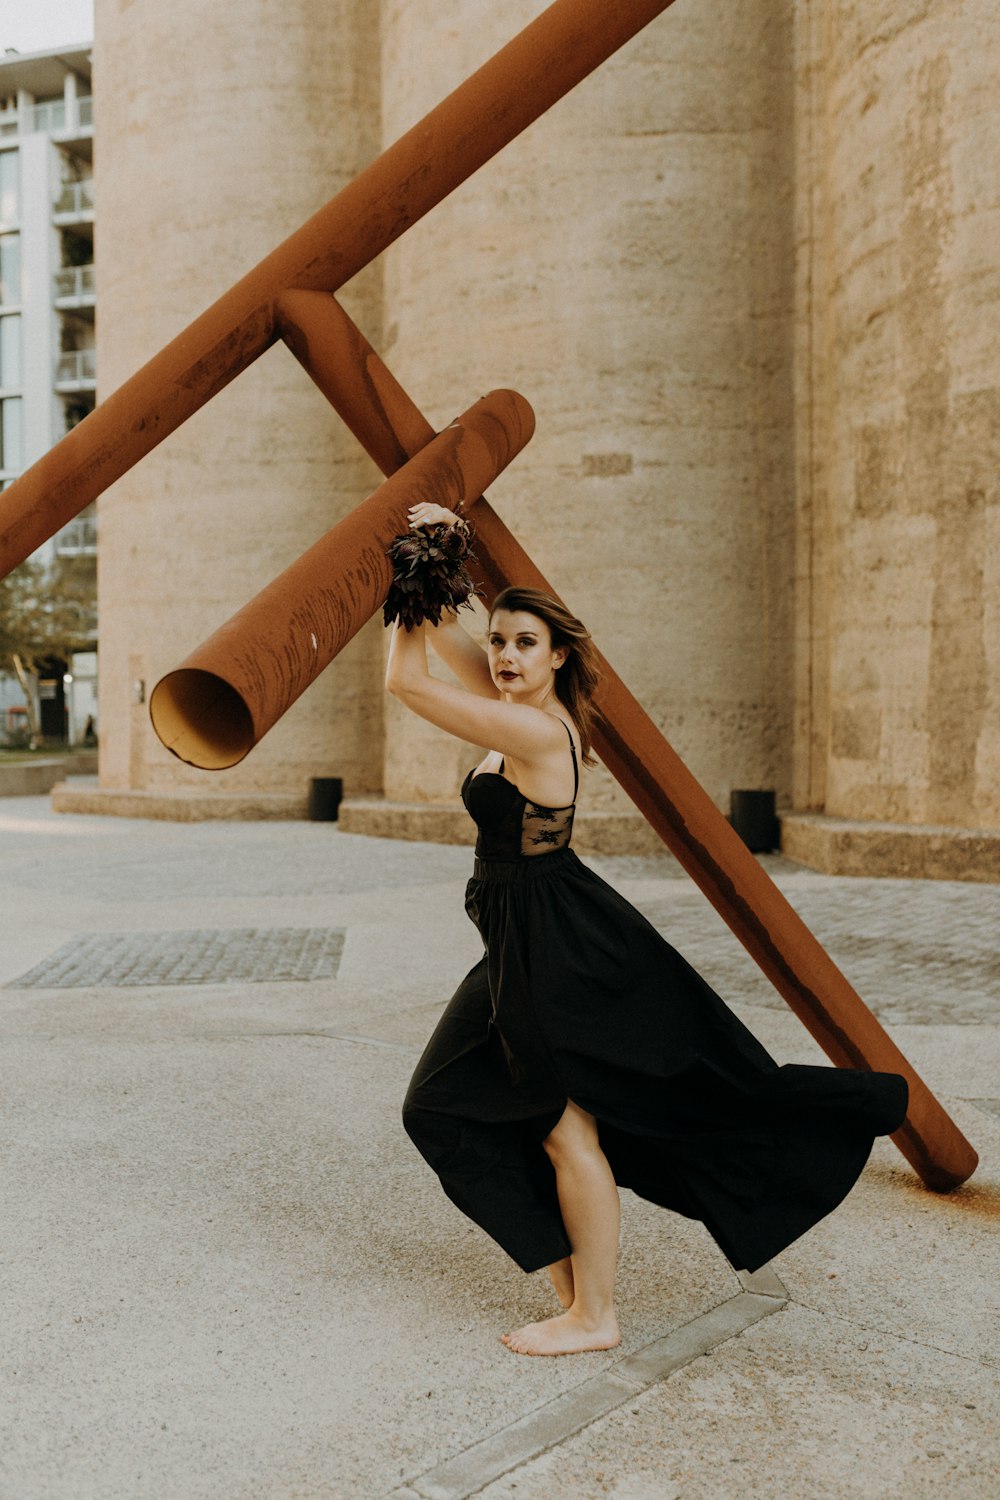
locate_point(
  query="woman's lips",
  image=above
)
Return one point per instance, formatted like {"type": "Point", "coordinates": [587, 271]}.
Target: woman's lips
{"type": "Point", "coordinates": [508, 676]}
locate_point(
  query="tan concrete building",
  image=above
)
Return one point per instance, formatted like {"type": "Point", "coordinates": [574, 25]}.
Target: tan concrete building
{"type": "Point", "coordinates": [748, 274]}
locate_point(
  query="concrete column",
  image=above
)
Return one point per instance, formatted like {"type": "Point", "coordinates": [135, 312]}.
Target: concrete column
{"type": "Point", "coordinates": [221, 129]}
{"type": "Point", "coordinates": [898, 416]}
{"type": "Point", "coordinates": [26, 111]}
{"type": "Point", "coordinates": [70, 98]}
{"type": "Point", "coordinates": [627, 265]}
{"type": "Point", "coordinates": [38, 344]}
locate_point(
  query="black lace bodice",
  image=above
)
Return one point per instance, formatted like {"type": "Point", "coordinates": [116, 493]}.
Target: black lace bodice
{"type": "Point", "coordinates": [510, 826]}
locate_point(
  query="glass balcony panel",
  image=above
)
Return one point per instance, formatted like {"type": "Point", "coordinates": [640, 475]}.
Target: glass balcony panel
{"type": "Point", "coordinates": [86, 108]}
{"type": "Point", "coordinates": [51, 115]}
{"type": "Point", "coordinates": [10, 185]}
{"type": "Point", "coordinates": [10, 434]}
{"type": "Point", "coordinates": [10, 270]}
{"type": "Point", "coordinates": [75, 281]}
{"type": "Point", "coordinates": [75, 197]}
{"type": "Point", "coordinates": [10, 351]}
{"type": "Point", "coordinates": [77, 537]}
{"type": "Point", "coordinates": [76, 365]}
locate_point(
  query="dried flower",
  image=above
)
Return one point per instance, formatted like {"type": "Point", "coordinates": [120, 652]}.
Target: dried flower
{"type": "Point", "coordinates": [429, 573]}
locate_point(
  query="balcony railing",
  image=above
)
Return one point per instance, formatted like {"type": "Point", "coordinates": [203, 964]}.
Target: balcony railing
{"type": "Point", "coordinates": [77, 367]}
{"type": "Point", "coordinates": [76, 283]}
{"type": "Point", "coordinates": [51, 115]}
{"type": "Point", "coordinates": [75, 198]}
{"type": "Point", "coordinates": [78, 537]}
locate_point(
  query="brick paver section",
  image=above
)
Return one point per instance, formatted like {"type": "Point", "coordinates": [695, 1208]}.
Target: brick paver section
{"type": "Point", "coordinates": [242, 955]}
{"type": "Point", "coordinates": [916, 951]}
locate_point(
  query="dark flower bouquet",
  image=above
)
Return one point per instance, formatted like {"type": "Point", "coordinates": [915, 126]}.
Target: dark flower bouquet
{"type": "Point", "coordinates": [429, 573]}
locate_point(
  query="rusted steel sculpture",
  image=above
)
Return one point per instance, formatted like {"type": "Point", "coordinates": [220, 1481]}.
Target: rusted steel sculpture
{"type": "Point", "coordinates": [517, 85]}
{"type": "Point", "coordinates": [388, 425]}
{"type": "Point", "coordinates": [212, 710]}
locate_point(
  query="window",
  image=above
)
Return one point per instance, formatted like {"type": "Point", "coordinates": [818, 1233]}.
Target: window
{"type": "Point", "coordinates": [10, 351]}
{"type": "Point", "coordinates": [10, 269]}
{"type": "Point", "coordinates": [10, 195]}
{"type": "Point", "coordinates": [10, 434]}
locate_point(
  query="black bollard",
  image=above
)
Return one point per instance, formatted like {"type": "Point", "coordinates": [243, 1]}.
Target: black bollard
{"type": "Point", "coordinates": [753, 816]}
{"type": "Point", "coordinates": [325, 794]}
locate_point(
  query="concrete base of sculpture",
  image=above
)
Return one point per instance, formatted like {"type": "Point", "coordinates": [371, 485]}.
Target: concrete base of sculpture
{"type": "Point", "coordinates": [843, 846]}
{"type": "Point", "coordinates": [181, 806]}
{"type": "Point", "coordinates": [35, 777]}
{"type": "Point", "coordinates": [833, 846]}
{"type": "Point", "coordinates": [448, 823]}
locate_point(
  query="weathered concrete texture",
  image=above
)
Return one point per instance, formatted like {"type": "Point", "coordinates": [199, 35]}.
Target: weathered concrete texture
{"type": "Point", "coordinates": [558, 1419]}
{"type": "Point", "coordinates": [769, 423]}
{"type": "Point", "coordinates": [593, 832]}
{"type": "Point", "coordinates": [899, 413]}
{"type": "Point", "coordinates": [34, 777]}
{"type": "Point", "coordinates": [629, 261]}
{"type": "Point", "coordinates": [222, 129]}
{"type": "Point", "coordinates": [878, 1382]}
{"type": "Point", "coordinates": [182, 805]}
{"type": "Point", "coordinates": [841, 846]}
{"type": "Point", "coordinates": [870, 1416]}
{"type": "Point", "coordinates": [229, 1275]}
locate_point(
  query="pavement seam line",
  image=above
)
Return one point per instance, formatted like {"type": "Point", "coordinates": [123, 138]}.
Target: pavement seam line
{"type": "Point", "coordinates": [332, 1035]}
{"type": "Point", "coordinates": [982, 1363]}
{"type": "Point", "coordinates": [538, 1431]}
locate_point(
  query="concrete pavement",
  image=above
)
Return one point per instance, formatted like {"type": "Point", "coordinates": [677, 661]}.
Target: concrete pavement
{"type": "Point", "coordinates": [227, 1273]}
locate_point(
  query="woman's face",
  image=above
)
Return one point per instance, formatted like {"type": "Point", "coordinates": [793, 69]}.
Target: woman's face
{"type": "Point", "coordinates": [522, 659]}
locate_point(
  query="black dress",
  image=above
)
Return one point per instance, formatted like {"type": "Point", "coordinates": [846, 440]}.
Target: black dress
{"type": "Point", "coordinates": [578, 997]}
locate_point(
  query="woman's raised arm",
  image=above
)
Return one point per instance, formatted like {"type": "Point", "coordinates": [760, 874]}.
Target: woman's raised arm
{"type": "Point", "coordinates": [516, 730]}
{"type": "Point", "coordinates": [459, 651]}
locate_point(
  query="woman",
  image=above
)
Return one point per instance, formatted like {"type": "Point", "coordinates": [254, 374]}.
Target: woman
{"type": "Point", "coordinates": [583, 1053]}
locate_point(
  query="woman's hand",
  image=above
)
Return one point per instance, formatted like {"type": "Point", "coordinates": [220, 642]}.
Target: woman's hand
{"type": "Point", "coordinates": [428, 514]}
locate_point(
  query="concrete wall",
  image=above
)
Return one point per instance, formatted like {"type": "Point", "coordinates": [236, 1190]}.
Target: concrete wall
{"type": "Point", "coordinates": [749, 277]}
{"type": "Point", "coordinates": [626, 265]}
{"type": "Point", "coordinates": [221, 128]}
{"type": "Point", "coordinates": [898, 412]}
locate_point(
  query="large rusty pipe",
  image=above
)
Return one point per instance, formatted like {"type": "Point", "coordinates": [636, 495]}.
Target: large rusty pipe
{"type": "Point", "coordinates": [519, 83]}
{"type": "Point", "coordinates": [383, 418]}
{"type": "Point", "coordinates": [213, 708]}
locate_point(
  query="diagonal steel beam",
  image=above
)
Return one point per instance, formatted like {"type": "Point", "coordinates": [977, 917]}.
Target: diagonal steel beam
{"type": "Point", "coordinates": [517, 85]}
{"type": "Point", "coordinates": [386, 422]}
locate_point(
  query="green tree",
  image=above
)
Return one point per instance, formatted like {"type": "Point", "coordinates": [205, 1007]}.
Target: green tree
{"type": "Point", "coordinates": [45, 612]}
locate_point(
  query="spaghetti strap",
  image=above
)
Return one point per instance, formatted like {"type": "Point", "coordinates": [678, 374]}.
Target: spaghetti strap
{"type": "Point", "coordinates": [576, 768]}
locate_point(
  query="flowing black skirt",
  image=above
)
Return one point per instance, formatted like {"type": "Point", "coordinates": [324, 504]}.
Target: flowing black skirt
{"type": "Point", "coordinates": [579, 997]}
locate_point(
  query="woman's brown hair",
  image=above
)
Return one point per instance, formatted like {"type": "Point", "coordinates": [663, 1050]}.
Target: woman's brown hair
{"type": "Point", "coordinates": [577, 678]}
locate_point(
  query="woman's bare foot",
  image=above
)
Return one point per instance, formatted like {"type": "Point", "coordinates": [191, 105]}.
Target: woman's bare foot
{"type": "Point", "coordinates": [561, 1276]}
{"type": "Point", "coordinates": [566, 1334]}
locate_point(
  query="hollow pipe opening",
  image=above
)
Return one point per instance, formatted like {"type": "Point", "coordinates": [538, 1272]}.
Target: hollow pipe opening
{"type": "Point", "coordinates": [201, 719]}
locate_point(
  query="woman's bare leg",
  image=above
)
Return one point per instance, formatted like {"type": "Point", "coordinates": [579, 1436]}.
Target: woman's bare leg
{"type": "Point", "coordinates": [561, 1276]}
{"type": "Point", "coordinates": [588, 1198]}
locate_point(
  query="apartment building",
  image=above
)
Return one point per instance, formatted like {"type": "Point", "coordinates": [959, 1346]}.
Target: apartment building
{"type": "Point", "coordinates": [48, 371]}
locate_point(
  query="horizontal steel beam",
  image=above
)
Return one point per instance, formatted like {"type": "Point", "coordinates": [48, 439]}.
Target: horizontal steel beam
{"type": "Point", "coordinates": [519, 83]}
